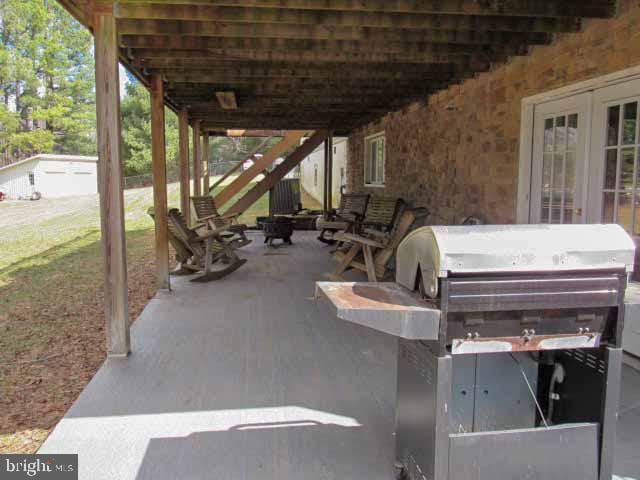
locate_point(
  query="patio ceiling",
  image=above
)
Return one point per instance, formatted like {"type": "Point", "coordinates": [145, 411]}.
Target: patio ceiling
{"type": "Point", "coordinates": [306, 64]}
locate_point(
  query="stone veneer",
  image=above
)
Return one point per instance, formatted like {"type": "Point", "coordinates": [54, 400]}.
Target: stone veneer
{"type": "Point", "coordinates": [456, 153]}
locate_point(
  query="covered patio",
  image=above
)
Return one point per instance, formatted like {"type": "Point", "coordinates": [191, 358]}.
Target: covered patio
{"type": "Point", "coordinates": [243, 378]}
{"type": "Point", "coordinates": [250, 378]}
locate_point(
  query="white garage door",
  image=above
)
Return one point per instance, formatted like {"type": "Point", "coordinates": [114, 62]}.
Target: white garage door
{"type": "Point", "coordinates": [64, 179]}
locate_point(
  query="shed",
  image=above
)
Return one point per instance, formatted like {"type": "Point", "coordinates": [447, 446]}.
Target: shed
{"type": "Point", "coordinates": [51, 175]}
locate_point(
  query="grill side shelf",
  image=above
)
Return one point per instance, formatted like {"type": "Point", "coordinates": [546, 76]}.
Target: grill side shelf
{"type": "Point", "coordinates": [386, 307]}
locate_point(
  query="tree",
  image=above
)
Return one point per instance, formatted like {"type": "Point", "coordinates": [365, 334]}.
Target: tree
{"type": "Point", "coordinates": [46, 80]}
{"type": "Point", "coordinates": [136, 131]}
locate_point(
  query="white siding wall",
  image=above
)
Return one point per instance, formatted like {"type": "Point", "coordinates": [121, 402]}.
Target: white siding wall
{"type": "Point", "coordinates": [53, 178]}
{"type": "Point", "coordinates": [316, 160]}
{"type": "Point", "coordinates": [14, 181]}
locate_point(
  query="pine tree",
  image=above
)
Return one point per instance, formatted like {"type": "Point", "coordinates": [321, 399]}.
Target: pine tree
{"type": "Point", "coordinates": [46, 80]}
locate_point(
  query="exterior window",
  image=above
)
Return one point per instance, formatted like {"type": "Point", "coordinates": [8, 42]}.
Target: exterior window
{"type": "Point", "coordinates": [621, 188]}
{"type": "Point", "coordinates": [374, 161]}
{"type": "Point", "coordinates": [315, 175]}
{"type": "Point", "coordinates": [32, 179]}
{"type": "Point", "coordinates": [559, 168]}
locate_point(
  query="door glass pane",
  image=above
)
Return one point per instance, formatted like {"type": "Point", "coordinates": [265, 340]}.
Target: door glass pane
{"type": "Point", "coordinates": [560, 142]}
{"type": "Point", "coordinates": [626, 168]}
{"type": "Point", "coordinates": [558, 175]}
{"type": "Point", "coordinates": [570, 170]}
{"type": "Point", "coordinates": [624, 211]}
{"type": "Point", "coordinates": [556, 206]}
{"type": "Point", "coordinates": [547, 159]}
{"type": "Point", "coordinates": [548, 134]}
{"type": "Point", "coordinates": [568, 207]}
{"type": "Point", "coordinates": [572, 131]}
{"type": "Point", "coordinates": [561, 133]}
{"type": "Point", "coordinates": [610, 169]}
{"type": "Point", "coordinates": [544, 211]}
{"type": "Point", "coordinates": [629, 123]}
{"type": "Point", "coordinates": [607, 207]}
{"type": "Point", "coordinates": [613, 119]}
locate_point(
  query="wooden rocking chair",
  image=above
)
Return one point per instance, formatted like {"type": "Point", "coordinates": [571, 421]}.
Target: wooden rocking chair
{"type": "Point", "coordinates": [372, 251]}
{"type": "Point", "coordinates": [352, 208]}
{"type": "Point", "coordinates": [207, 214]}
{"type": "Point", "coordinates": [197, 252]}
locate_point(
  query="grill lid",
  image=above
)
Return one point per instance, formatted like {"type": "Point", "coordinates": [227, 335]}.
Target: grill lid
{"type": "Point", "coordinates": [439, 251]}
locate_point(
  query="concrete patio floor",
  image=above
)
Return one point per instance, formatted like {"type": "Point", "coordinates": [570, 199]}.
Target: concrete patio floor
{"type": "Point", "coordinates": [247, 378]}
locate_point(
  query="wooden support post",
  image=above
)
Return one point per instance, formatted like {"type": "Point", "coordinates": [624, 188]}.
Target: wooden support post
{"type": "Point", "coordinates": [197, 164]}
{"type": "Point", "coordinates": [205, 163]}
{"type": "Point", "coordinates": [325, 164]}
{"type": "Point", "coordinates": [159, 175]}
{"type": "Point", "coordinates": [183, 140]}
{"type": "Point", "coordinates": [278, 173]}
{"type": "Point", "coordinates": [291, 139]}
{"type": "Point", "coordinates": [110, 171]}
{"type": "Point", "coordinates": [328, 145]}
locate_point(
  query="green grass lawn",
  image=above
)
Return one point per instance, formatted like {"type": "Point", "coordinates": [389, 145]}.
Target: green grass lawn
{"type": "Point", "coordinates": [51, 312]}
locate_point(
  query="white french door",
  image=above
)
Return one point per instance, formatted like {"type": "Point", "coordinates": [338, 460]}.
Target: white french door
{"type": "Point", "coordinates": [585, 158]}
{"type": "Point", "coordinates": [615, 176]}
{"type": "Point", "coordinates": [558, 169]}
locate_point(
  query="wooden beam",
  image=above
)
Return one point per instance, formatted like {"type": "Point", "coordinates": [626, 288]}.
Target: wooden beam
{"type": "Point", "coordinates": [110, 175]}
{"type": "Point", "coordinates": [321, 32]}
{"type": "Point", "coordinates": [197, 164]}
{"type": "Point", "coordinates": [541, 8]}
{"type": "Point", "coordinates": [159, 174]}
{"type": "Point", "coordinates": [273, 70]}
{"type": "Point", "coordinates": [227, 100]}
{"type": "Point", "coordinates": [379, 96]}
{"type": "Point", "coordinates": [205, 162]}
{"type": "Point", "coordinates": [290, 139]}
{"type": "Point", "coordinates": [202, 93]}
{"type": "Point", "coordinates": [279, 172]}
{"type": "Point", "coordinates": [185, 187]}
{"type": "Point", "coordinates": [319, 56]}
{"type": "Point", "coordinates": [353, 18]}
{"type": "Point", "coordinates": [193, 42]}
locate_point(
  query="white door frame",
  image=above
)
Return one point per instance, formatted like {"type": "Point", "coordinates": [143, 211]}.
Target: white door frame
{"type": "Point", "coordinates": [528, 106]}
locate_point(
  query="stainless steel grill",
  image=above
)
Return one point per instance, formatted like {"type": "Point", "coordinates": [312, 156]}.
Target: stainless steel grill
{"type": "Point", "coordinates": [509, 351]}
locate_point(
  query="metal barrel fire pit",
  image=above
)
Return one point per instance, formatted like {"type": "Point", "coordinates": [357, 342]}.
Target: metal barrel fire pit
{"type": "Point", "coordinates": [277, 227]}
{"type": "Point", "coordinates": [509, 356]}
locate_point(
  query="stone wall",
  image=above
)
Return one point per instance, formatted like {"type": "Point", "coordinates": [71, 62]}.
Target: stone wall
{"type": "Point", "coordinates": [456, 153]}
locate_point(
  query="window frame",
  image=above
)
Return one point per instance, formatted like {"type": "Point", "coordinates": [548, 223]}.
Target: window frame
{"type": "Point", "coordinates": [368, 160]}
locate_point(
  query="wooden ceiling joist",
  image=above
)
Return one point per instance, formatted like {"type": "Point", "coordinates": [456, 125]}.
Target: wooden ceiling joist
{"type": "Point", "coordinates": [319, 56]}
{"type": "Point", "coordinates": [318, 64]}
{"type": "Point", "coordinates": [539, 8]}
{"type": "Point", "coordinates": [271, 44]}
{"type": "Point", "coordinates": [315, 32]}
{"type": "Point", "coordinates": [353, 18]}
